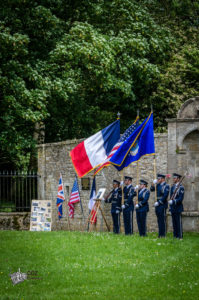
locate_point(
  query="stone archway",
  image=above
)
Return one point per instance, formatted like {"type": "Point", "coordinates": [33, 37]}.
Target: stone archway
{"type": "Point", "coordinates": [191, 159]}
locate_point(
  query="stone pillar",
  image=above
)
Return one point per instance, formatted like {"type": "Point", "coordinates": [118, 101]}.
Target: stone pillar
{"type": "Point", "coordinates": [183, 156]}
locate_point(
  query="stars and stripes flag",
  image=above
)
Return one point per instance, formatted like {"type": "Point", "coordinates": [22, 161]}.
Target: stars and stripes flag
{"type": "Point", "coordinates": [60, 197]}
{"type": "Point", "coordinates": [74, 198]}
{"type": "Point", "coordinates": [125, 135]}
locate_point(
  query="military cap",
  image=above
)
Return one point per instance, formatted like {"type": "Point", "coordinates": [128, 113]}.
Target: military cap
{"type": "Point", "coordinates": [127, 177]}
{"type": "Point", "coordinates": [143, 182]}
{"type": "Point", "coordinates": [116, 181]}
{"type": "Point", "coordinates": [159, 176]}
{"type": "Point", "coordinates": [175, 175]}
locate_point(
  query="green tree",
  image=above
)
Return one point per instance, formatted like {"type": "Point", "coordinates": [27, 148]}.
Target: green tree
{"type": "Point", "coordinates": [71, 65]}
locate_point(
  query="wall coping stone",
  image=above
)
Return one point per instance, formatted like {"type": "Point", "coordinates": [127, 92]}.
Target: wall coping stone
{"type": "Point", "coordinates": [182, 120]}
{"type": "Point", "coordinates": [75, 141]}
{"type": "Point", "coordinates": [14, 213]}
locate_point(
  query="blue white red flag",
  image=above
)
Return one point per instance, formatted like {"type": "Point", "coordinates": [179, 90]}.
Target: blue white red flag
{"type": "Point", "coordinates": [92, 195]}
{"type": "Point", "coordinates": [125, 135]}
{"type": "Point", "coordinates": [91, 204]}
{"type": "Point", "coordinates": [60, 197]}
{"type": "Point", "coordinates": [90, 153]}
{"type": "Point", "coordinates": [74, 198]}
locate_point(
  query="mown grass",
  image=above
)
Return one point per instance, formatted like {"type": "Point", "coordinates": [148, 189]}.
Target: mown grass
{"type": "Point", "coordinates": [76, 265]}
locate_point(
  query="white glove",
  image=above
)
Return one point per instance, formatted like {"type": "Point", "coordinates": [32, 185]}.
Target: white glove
{"type": "Point", "coordinates": [137, 206]}
{"type": "Point", "coordinates": [155, 181]}
{"type": "Point", "coordinates": [170, 202]}
{"type": "Point", "coordinates": [121, 183]}
{"type": "Point", "coordinates": [117, 211]}
{"type": "Point", "coordinates": [136, 187]}
{"type": "Point", "coordinates": [123, 206]}
{"type": "Point", "coordinates": [156, 204]}
{"type": "Point", "coordinates": [103, 199]}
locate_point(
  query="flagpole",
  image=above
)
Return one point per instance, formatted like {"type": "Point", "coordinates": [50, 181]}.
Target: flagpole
{"type": "Point", "coordinates": [68, 217]}
{"type": "Point", "coordinates": [122, 172]}
{"type": "Point", "coordinates": [80, 201]}
{"type": "Point", "coordinates": [67, 212]}
{"type": "Point", "coordinates": [66, 206]}
{"type": "Point", "coordinates": [122, 178]}
{"type": "Point", "coordinates": [137, 180]}
{"type": "Point", "coordinates": [137, 165]}
{"type": "Point", "coordinates": [154, 166]}
{"type": "Point", "coordinates": [154, 169]}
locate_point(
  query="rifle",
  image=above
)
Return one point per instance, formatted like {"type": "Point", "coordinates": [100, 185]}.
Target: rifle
{"type": "Point", "coordinates": [177, 188]}
{"type": "Point", "coordinates": [106, 198]}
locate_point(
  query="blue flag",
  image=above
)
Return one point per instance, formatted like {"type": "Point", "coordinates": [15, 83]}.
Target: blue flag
{"type": "Point", "coordinates": [138, 144]}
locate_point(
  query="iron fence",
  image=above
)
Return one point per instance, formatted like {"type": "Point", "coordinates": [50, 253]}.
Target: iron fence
{"type": "Point", "coordinates": [17, 189]}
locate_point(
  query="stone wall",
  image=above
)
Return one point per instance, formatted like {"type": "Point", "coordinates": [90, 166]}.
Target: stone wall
{"type": "Point", "coordinates": [54, 158]}
{"type": "Point", "coordinates": [14, 221]}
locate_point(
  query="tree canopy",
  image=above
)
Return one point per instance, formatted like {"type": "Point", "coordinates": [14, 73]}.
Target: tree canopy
{"type": "Point", "coordinates": [72, 65]}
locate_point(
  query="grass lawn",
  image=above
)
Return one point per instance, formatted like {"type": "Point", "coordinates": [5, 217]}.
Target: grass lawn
{"type": "Point", "coordinates": [76, 265]}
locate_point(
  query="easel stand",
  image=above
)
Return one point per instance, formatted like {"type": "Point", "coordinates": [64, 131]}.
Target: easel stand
{"type": "Point", "coordinates": [93, 214]}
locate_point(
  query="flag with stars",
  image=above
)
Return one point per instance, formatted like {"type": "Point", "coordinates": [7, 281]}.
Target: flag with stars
{"type": "Point", "coordinates": [74, 198]}
{"type": "Point", "coordinates": [125, 135]}
{"type": "Point", "coordinates": [60, 197]}
{"type": "Point", "coordinates": [139, 143]}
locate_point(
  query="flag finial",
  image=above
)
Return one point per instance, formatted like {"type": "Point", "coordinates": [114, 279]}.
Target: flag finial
{"type": "Point", "coordinates": [118, 115]}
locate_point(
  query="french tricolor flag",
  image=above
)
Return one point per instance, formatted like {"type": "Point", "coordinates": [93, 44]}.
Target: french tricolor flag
{"type": "Point", "coordinates": [90, 153]}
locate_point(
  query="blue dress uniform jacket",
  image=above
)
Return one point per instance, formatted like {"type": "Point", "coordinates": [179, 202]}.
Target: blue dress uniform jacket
{"type": "Point", "coordinates": [162, 195]}
{"type": "Point", "coordinates": [143, 197]}
{"type": "Point", "coordinates": [177, 206]}
{"type": "Point", "coordinates": [115, 199]}
{"type": "Point", "coordinates": [162, 190]}
{"type": "Point", "coordinates": [129, 194]}
{"type": "Point", "coordinates": [141, 211]}
{"type": "Point", "coordinates": [176, 209]}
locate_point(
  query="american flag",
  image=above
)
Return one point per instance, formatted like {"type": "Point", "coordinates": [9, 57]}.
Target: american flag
{"type": "Point", "coordinates": [60, 197]}
{"type": "Point", "coordinates": [74, 198]}
{"type": "Point", "coordinates": [125, 135]}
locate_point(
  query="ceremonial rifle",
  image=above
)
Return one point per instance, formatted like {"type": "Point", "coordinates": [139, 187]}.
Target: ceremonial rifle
{"type": "Point", "coordinates": [106, 198]}
{"type": "Point", "coordinates": [177, 188]}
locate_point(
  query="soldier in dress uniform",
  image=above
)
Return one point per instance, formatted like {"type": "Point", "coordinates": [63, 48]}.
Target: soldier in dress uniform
{"type": "Point", "coordinates": [176, 206]}
{"type": "Point", "coordinates": [128, 206]}
{"type": "Point", "coordinates": [142, 207]}
{"type": "Point", "coordinates": [161, 205]}
{"type": "Point", "coordinates": [115, 199]}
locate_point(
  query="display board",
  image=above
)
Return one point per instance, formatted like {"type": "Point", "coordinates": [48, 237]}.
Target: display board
{"type": "Point", "coordinates": [100, 194]}
{"type": "Point", "coordinates": [41, 215]}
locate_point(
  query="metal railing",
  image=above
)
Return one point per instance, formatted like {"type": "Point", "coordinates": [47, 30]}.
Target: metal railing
{"type": "Point", "coordinates": [17, 189]}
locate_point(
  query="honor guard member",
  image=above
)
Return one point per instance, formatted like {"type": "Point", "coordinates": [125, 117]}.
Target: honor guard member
{"type": "Point", "coordinates": [115, 199]}
{"type": "Point", "coordinates": [128, 206]}
{"type": "Point", "coordinates": [161, 205]}
{"type": "Point", "coordinates": [142, 207]}
{"type": "Point", "coordinates": [176, 206]}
